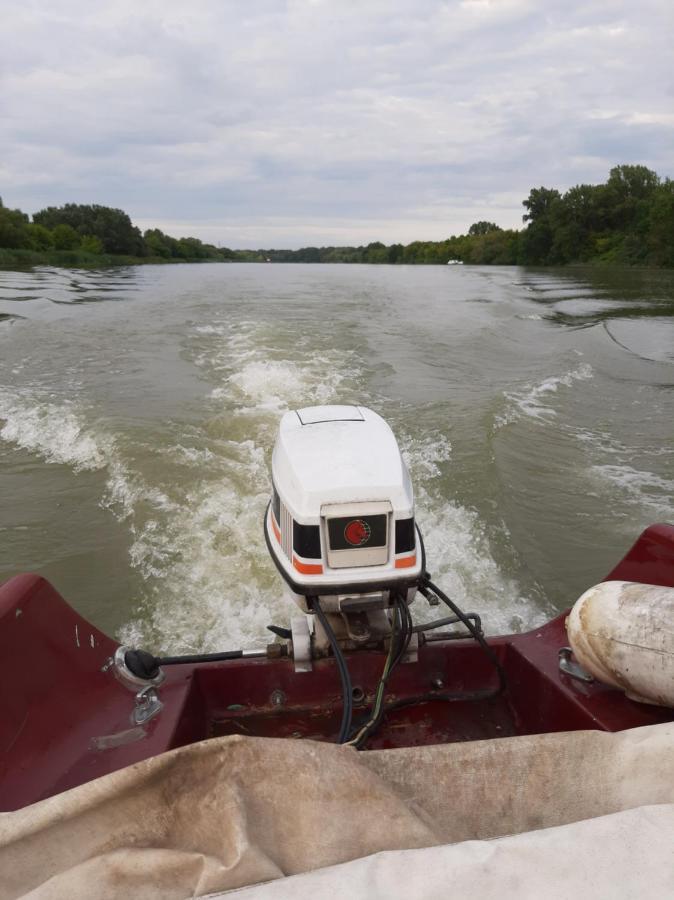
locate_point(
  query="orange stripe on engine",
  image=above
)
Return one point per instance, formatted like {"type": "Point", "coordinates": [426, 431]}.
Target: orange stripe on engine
{"type": "Point", "coordinates": [407, 562]}
{"type": "Point", "coordinates": [306, 568]}
{"type": "Point", "coordinates": [274, 528]}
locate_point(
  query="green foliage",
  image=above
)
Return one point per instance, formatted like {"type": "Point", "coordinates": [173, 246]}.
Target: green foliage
{"type": "Point", "coordinates": [13, 228]}
{"type": "Point", "coordinates": [77, 234]}
{"type": "Point", "coordinates": [160, 244]}
{"type": "Point", "coordinates": [625, 221]}
{"type": "Point", "coordinates": [629, 220]}
{"type": "Point", "coordinates": [483, 228]}
{"type": "Point", "coordinates": [90, 243]}
{"type": "Point", "coordinates": [65, 237]}
{"type": "Point", "coordinates": [112, 227]}
{"type": "Point", "coordinates": [40, 238]}
{"type": "Point", "coordinates": [660, 231]}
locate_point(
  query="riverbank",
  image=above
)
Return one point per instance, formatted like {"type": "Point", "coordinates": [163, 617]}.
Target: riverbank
{"type": "Point", "coordinates": [80, 259]}
{"type": "Point", "coordinates": [73, 259]}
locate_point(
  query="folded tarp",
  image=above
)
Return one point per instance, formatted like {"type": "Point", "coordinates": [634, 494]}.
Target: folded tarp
{"type": "Point", "coordinates": [232, 812]}
{"type": "Point", "coordinates": [624, 856]}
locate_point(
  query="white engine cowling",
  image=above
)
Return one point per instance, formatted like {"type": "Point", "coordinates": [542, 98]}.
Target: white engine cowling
{"type": "Point", "coordinates": [622, 633]}
{"type": "Point", "coordinates": [340, 524]}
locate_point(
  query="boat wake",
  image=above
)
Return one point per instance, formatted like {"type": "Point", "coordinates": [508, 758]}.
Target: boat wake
{"type": "Point", "coordinates": [458, 547]}
{"type": "Point", "coordinates": [645, 490]}
{"type": "Point", "coordinates": [53, 429]}
{"type": "Point", "coordinates": [193, 500]}
{"type": "Point", "coordinates": [534, 401]}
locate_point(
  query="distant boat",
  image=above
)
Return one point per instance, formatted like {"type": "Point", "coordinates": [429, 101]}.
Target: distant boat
{"type": "Point", "coordinates": [454, 262]}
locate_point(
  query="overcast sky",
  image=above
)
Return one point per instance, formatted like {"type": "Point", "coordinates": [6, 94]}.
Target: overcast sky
{"type": "Point", "coordinates": [282, 124]}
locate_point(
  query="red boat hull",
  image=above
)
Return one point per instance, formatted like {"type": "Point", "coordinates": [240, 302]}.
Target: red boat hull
{"type": "Point", "coordinates": [66, 719]}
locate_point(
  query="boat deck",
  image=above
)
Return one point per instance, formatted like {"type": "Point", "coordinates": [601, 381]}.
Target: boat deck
{"type": "Point", "coordinates": [67, 720]}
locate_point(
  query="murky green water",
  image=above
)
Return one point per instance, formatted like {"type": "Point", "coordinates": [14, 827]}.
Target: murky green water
{"type": "Point", "coordinates": [138, 409]}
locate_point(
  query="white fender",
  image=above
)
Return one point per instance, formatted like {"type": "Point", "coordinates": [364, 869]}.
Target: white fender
{"type": "Point", "coordinates": [622, 633]}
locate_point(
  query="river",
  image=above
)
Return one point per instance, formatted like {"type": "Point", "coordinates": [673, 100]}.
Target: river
{"type": "Point", "coordinates": [138, 408]}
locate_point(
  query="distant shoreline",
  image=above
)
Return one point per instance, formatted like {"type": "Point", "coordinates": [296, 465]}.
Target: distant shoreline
{"type": "Point", "coordinates": [19, 260]}
{"type": "Point", "coordinates": [626, 222]}
{"type": "Point", "coordinates": [76, 259]}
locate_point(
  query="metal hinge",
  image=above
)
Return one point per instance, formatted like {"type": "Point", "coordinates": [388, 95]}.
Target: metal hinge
{"type": "Point", "coordinates": [572, 669]}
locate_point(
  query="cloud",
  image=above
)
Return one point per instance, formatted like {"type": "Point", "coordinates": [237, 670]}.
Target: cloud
{"type": "Point", "coordinates": [300, 122]}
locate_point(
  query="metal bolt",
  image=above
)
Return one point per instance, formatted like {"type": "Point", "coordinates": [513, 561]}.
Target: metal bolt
{"type": "Point", "coordinates": [278, 698]}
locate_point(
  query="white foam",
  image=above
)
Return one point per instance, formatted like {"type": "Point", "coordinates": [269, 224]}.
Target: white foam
{"type": "Point", "coordinates": [644, 489]}
{"type": "Point", "coordinates": [194, 456]}
{"type": "Point", "coordinates": [424, 453]}
{"type": "Point", "coordinates": [125, 491]}
{"type": "Point", "coordinates": [532, 400]}
{"type": "Point", "coordinates": [256, 375]}
{"type": "Point", "coordinates": [458, 549]}
{"type": "Point", "coordinates": [277, 385]}
{"type": "Point", "coordinates": [600, 440]}
{"type": "Point", "coordinates": [212, 329]}
{"type": "Point", "coordinates": [54, 431]}
{"type": "Point", "coordinates": [210, 581]}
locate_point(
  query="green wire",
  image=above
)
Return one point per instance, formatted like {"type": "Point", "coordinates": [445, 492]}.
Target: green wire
{"type": "Point", "coordinates": [379, 699]}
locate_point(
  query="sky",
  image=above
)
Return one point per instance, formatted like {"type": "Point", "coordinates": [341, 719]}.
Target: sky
{"type": "Point", "coordinates": [327, 122]}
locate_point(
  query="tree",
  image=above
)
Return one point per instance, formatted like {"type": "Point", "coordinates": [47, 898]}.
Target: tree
{"type": "Point", "coordinates": [65, 237]}
{"type": "Point", "coordinates": [91, 244]}
{"type": "Point", "coordinates": [627, 196]}
{"type": "Point", "coordinates": [13, 228]}
{"type": "Point", "coordinates": [40, 237]}
{"type": "Point", "coordinates": [635, 182]}
{"type": "Point", "coordinates": [111, 226]}
{"type": "Point", "coordinates": [160, 244]}
{"type": "Point", "coordinates": [539, 203]}
{"type": "Point", "coordinates": [395, 253]}
{"type": "Point", "coordinates": [483, 228]}
{"type": "Point", "coordinates": [536, 241]}
{"type": "Point", "coordinates": [660, 240]}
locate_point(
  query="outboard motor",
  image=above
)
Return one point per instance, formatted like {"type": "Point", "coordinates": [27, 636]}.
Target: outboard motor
{"type": "Point", "coordinates": [340, 525]}
{"type": "Point", "coordinates": [340, 528]}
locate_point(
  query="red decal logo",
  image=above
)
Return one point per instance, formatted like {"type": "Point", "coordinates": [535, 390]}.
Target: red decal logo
{"type": "Point", "coordinates": [357, 533]}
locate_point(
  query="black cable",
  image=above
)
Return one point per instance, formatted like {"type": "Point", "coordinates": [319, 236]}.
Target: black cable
{"type": "Point", "coordinates": [423, 550]}
{"type": "Point", "coordinates": [425, 583]}
{"type": "Point", "coordinates": [400, 634]}
{"type": "Point", "coordinates": [146, 666]}
{"type": "Point", "coordinates": [400, 637]}
{"type": "Point", "coordinates": [479, 637]}
{"type": "Point", "coordinates": [431, 697]}
{"type": "Point", "coordinates": [347, 693]}
{"type": "Point", "coordinates": [450, 620]}
{"type": "Point", "coordinates": [198, 658]}
{"type": "Point", "coordinates": [285, 633]}
{"type": "Point", "coordinates": [436, 623]}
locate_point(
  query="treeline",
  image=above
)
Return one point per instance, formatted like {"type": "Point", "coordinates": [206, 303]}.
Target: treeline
{"type": "Point", "coordinates": [485, 243]}
{"type": "Point", "coordinates": [78, 232]}
{"type": "Point", "coordinates": [629, 220]}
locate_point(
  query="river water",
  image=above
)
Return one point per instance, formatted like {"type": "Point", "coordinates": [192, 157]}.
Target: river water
{"type": "Point", "coordinates": [138, 408]}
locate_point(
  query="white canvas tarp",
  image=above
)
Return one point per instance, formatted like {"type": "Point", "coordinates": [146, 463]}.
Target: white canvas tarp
{"type": "Point", "coordinates": [624, 856]}
{"type": "Point", "coordinates": [233, 812]}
